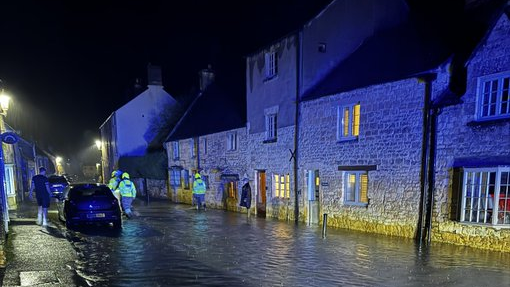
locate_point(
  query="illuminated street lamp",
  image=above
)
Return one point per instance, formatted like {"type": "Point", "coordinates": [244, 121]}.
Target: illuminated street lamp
{"type": "Point", "coordinates": [98, 144]}
{"type": "Point", "coordinates": [4, 102]}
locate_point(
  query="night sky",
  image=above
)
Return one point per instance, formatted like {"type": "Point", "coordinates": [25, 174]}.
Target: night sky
{"type": "Point", "coordinates": [69, 64]}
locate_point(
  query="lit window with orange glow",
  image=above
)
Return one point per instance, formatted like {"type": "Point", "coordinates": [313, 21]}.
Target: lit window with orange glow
{"type": "Point", "coordinates": [356, 188]}
{"type": "Point", "coordinates": [348, 123]}
{"type": "Point", "coordinates": [277, 185]}
{"type": "Point", "coordinates": [287, 186]}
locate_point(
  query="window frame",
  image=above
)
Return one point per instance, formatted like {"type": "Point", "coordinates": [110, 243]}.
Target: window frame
{"type": "Point", "coordinates": [175, 150]}
{"type": "Point", "coordinates": [271, 65]}
{"type": "Point", "coordinates": [500, 79]}
{"type": "Point", "coordinates": [271, 127]}
{"type": "Point", "coordinates": [357, 187]}
{"type": "Point", "coordinates": [496, 196]}
{"type": "Point", "coordinates": [281, 185]}
{"type": "Point", "coordinates": [232, 141]}
{"type": "Point", "coordinates": [353, 122]}
{"type": "Point", "coordinates": [175, 177]}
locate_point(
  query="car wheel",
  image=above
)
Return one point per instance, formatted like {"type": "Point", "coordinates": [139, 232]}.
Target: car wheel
{"type": "Point", "coordinates": [117, 224]}
{"type": "Point", "coordinates": [69, 224]}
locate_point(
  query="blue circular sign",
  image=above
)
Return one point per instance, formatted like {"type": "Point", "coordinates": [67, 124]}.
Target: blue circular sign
{"type": "Point", "coordinates": [10, 137]}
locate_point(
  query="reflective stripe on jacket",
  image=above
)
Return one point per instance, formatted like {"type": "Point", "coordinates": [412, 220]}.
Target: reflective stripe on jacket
{"type": "Point", "coordinates": [127, 188]}
{"type": "Point", "coordinates": [199, 186]}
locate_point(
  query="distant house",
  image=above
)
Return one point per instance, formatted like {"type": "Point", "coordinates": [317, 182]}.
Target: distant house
{"type": "Point", "coordinates": [210, 139]}
{"type": "Point", "coordinates": [138, 127]}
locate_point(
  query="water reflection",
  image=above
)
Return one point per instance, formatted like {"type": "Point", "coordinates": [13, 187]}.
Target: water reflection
{"type": "Point", "coordinates": [175, 245]}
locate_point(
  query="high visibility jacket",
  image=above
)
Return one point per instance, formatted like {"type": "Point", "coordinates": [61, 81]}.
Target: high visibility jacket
{"type": "Point", "coordinates": [199, 186]}
{"type": "Point", "coordinates": [127, 188]}
{"type": "Point", "coordinates": [113, 184]}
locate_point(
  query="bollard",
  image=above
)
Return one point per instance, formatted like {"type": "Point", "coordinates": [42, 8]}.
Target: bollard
{"type": "Point", "coordinates": [324, 225]}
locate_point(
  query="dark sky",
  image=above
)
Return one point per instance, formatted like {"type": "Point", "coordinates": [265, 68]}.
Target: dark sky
{"type": "Point", "coordinates": [69, 64]}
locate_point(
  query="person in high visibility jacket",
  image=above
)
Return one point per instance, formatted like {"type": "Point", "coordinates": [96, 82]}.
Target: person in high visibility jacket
{"type": "Point", "coordinates": [199, 191]}
{"type": "Point", "coordinates": [128, 193]}
{"type": "Point", "coordinates": [113, 184]}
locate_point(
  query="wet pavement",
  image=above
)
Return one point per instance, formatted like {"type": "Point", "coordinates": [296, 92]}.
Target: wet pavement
{"type": "Point", "coordinates": [175, 245]}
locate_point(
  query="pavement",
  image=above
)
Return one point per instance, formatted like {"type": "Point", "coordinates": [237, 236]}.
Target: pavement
{"type": "Point", "coordinates": [35, 255]}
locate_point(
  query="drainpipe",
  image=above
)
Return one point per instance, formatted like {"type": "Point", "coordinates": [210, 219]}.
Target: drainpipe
{"type": "Point", "coordinates": [424, 169]}
{"type": "Point", "coordinates": [431, 180]}
{"type": "Point", "coordinates": [296, 125]}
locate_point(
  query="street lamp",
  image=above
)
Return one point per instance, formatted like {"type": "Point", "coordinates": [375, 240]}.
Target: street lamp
{"type": "Point", "coordinates": [4, 102]}
{"type": "Point", "coordinates": [98, 144]}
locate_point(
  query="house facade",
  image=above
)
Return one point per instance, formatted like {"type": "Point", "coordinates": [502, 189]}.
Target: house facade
{"type": "Point", "coordinates": [271, 95]}
{"type": "Point", "coordinates": [210, 139]}
{"type": "Point", "coordinates": [472, 198]}
{"type": "Point", "coordinates": [133, 128]}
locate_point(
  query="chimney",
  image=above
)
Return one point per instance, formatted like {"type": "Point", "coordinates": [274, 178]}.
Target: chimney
{"type": "Point", "coordinates": [154, 75]}
{"type": "Point", "coordinates": [206, 77]}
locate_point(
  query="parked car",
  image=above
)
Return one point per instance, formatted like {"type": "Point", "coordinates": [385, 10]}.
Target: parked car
{"type": "Point", "coordinates": [57, 185]}
{"type": "Point", "coordinates": [88, 203]}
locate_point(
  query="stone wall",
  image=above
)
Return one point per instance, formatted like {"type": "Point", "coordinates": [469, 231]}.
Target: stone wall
{"type": "Point", "coordinates": [461, 136]}
{"type": "Point", "coordinates": [389, 139]}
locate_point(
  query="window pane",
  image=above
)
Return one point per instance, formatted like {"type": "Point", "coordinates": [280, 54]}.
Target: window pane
{"type": "Point", "coordinates": [350, 188]}
{"type": "Point", "coordinates": [346, 122]}
{"type": "Point", "coordinates": [356, 120]}
{"type": "Point", "coordinates": [364, 188]}
{"type": "Point", "coordinates": [287, 184]}
{"type": "Point", "coordinates": [277, 185]}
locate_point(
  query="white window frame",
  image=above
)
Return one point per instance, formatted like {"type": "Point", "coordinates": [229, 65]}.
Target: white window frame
{"type": "Point", "coordinates": [193, 147]}
{"type": "Point", "coordinates": [175, 150]}
{"type": "Point", "coordinates": [484, 200]}
{"type": "Point", "coordinates": [270, 64]}
{"type": "Point", "coordinates": [281, 185]}
{"type": "Point", "coordinates": [501, 103]}
{"type": "Point", "coordinates": [9, 179]}
{"type": "Point", "coordinates": [232, 141]}
{"type": "Point", "coordinates": [351, 122]}
{"type": "Point", "coordinates": [357, 187]}
{"type": "Point", "coordinates": [271, 126]}
{"type": "Point", "coordinates": [175, 177]}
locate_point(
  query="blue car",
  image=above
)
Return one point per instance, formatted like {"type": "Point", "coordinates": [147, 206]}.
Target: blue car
{"type": "Point", "coordinates": [89, 203]}
{"type": "Point", "coordinates": [58, 184]}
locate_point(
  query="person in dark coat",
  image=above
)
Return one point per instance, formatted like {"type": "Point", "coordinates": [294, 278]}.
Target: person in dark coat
{"type": "Point", "coordinates": [246, 194]}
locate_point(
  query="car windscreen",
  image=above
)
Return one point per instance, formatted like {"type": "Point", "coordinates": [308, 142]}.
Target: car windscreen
{"type": "Point", "coordinates": [87, 192]}
{"type": "Point", "coordinates": [57, 179]}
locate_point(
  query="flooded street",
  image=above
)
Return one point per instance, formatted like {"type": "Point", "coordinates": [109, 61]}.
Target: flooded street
{"type": "Point", "coordinates": [174, 245]}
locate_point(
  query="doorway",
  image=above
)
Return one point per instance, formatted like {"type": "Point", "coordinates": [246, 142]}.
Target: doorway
{"type": "Point", "coordinates": [313, 183]}
{"type": "Point", "coordinates": [261, 194]}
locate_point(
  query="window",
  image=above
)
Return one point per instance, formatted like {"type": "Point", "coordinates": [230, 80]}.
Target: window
{"type": "Point", "coordinates": [486, 196]}
{"type": "Point", "coordinates": [493, 96]}
{"type": "Point", "coordinates": [175, 150]}
{"type": "Point", "coordinates": [9, 179]}
{"type": "Point", "coordinates": [271, 65]}
{"type": "Point", "coordinates": [193, 147]}
{"type": "Point", "coordinates": [205, 145]}
{"type": "Point", "coordinates": [356, 187]}
{"type": "Point", "coordinates": [348, 122]}
{"type": "Point", "coordinates": [175, 177]}
{"type": "Point", "coordinates": [185, 177]}
{"type": "Point", "coordinates": [271, 127]}
{"type": "Point", "coordinates": [232, 189]}
{"type": "Point", "coordinates": [231, 141]}
{"type": "Point", "coordinates": [282, 186]}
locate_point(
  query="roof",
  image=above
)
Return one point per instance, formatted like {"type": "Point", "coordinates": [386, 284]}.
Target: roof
{"type": "Point", "coordinates": [417, 46]}
{"type": "Point", "coordinates": [216, 109]}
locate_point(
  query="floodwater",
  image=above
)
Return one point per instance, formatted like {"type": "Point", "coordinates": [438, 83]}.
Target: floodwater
{"type": "Point", "coordinates": [174, 245]}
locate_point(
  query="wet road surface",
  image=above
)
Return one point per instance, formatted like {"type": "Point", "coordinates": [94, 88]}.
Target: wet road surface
{"type": "Point", "coordinates": [175, 245]}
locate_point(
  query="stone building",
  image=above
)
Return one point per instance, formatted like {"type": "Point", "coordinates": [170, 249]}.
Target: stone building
{"type": "Point", "coordinates": [388, 133]}
{"type": "Point", "coordinates": [210, 139]}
